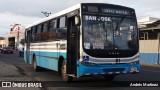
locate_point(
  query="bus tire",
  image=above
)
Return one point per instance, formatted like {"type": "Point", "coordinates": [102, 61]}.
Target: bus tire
{"type": "Point", "coordinates": [35, 67]}
{"type": "Point", "coordinates": [60, 61]}
{"type": "Point", "coordinates": [109, 77]}
{"type": "Point", "coordinates": [65, 77]}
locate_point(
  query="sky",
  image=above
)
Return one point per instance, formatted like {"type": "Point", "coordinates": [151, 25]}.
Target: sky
{"type": "Point", "coordinates": [25, 12]}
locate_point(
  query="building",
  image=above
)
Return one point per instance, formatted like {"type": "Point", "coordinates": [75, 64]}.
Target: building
{"type": "Point", "coordinates": [2, 42]}
{"type": "Point", "coordinates": [13, 40]}
{"type": "Point", "coordinates": [149, 40]}
{"type": "Point", "coordinates": [10, 40]}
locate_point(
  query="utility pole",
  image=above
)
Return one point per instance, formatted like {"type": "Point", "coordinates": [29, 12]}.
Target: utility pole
{"type": "Point", "coordinates": [46, 13]}
{"type": "Point", "coordinates": [18, 37]}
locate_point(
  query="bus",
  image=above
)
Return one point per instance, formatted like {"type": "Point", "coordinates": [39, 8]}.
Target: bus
{"type": "Point", "coordinates": [84, 40]}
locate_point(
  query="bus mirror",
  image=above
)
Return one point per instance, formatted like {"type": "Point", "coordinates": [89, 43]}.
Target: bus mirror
{"type": "Point", "coordinates": [77, 20]}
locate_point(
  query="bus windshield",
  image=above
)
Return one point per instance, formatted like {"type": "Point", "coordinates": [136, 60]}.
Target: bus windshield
{"type": "Point", "coordinates": [109, 33]}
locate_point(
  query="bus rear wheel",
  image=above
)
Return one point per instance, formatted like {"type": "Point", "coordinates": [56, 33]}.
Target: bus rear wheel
{"type": "Point", "coordinates": [65, 77]}
{"type": "Point", "coordinates": [35, 67]}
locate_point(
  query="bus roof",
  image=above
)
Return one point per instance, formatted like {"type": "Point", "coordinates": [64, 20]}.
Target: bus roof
{"type": "Point", "coordinates": [67, 11]}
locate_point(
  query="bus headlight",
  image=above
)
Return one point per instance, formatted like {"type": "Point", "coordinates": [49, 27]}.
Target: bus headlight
{"type": "Point", "coordinates": [134, 63]}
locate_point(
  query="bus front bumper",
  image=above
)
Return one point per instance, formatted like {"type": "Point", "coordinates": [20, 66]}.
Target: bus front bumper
{"type": "Point", "coordinates": [88, 69]}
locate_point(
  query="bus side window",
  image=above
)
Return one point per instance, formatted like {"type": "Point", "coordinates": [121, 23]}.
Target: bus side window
{"type": "Point", "coordinates": [32, 38]}
{"type": "Point", "coordinates": [62, 31]}
{"type": "Point", "coordinates": [33, 34]}
{"type": "Point", "coordinates": [45, 31]}
{"type": "Point", "coordinates": [39, 29]}
{"type": "Point", "coordinates": [42, 32]}
{"type": "Point", "coordinates": [52, 30]}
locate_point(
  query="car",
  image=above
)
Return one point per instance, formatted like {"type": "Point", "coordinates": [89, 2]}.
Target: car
{"type": "Point", "coordinates": [0, 48]}
{"type": "Point", "coordinates": [8, 50]}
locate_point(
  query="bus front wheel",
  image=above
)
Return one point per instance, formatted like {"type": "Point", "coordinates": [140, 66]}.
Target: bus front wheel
{"type": "Point", "coordinates": [35, 67]}
{"type": "Point", "coordinates": [65, 77]}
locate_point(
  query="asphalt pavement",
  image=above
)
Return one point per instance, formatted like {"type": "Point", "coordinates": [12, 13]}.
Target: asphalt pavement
{"type": "Point", "coordinates": [13, 68]}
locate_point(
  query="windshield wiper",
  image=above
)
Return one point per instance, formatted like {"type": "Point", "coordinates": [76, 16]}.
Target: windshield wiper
{"type": "Point", "coordinates": [119, 23]}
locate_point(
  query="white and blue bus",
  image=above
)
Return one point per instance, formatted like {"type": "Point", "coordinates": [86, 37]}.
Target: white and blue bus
{"type": "Point", "coordinates": [86, 39]}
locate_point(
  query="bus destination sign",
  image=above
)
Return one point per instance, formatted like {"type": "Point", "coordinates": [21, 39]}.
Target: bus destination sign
{"type": "Point", "coordinates": [115, 11]}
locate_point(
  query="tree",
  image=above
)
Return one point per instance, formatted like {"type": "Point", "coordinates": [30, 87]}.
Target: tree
{"type": "Point", "coordinates": [22, 41]}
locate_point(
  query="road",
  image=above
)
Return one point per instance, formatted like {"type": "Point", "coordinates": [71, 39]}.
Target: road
{"type": "Point", "coordinates": [13, 68]}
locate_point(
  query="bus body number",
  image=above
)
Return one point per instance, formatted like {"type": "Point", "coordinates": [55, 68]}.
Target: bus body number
{"type": "Point", "coordinates": [117, 60]}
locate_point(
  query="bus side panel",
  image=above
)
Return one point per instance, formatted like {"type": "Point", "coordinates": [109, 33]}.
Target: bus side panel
{"type": "Point", "coordinates": [46, 58]}
{"type": "Point", "coordinates": [32, 53]}
{"type": "Point", "coordinates": [31, 57]}
{"type": "Point", "coordinates": [49, 60]}
{"type": "Point", "coordinates": [42, 60]}
{"type": "Point", "coordinates": [37, 57]}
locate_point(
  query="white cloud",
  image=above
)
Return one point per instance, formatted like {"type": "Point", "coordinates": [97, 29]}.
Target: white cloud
{"type": "Point", "coordinates": [11, 19]}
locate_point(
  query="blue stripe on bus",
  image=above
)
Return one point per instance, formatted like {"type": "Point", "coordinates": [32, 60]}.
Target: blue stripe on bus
{"type": "Point", "coordinates": [149, 58]}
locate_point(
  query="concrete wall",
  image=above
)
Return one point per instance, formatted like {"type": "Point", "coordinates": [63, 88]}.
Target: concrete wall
{"type": "Point", "coordinates": [149, 53]}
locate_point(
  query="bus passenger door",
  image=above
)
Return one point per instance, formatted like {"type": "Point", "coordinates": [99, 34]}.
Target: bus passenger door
{"type": "Point", "coordinates": [72, 46]}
